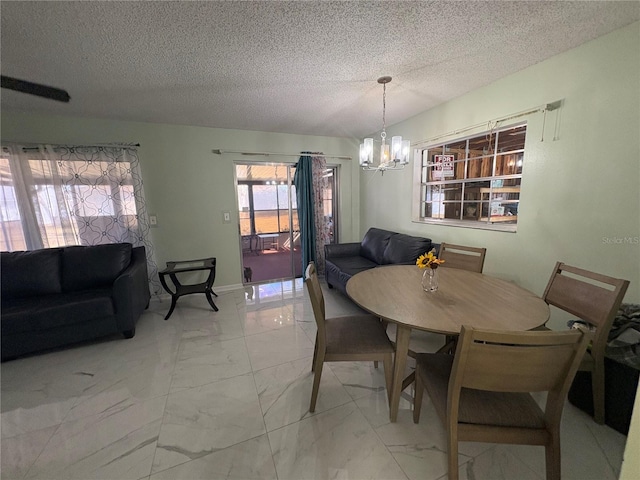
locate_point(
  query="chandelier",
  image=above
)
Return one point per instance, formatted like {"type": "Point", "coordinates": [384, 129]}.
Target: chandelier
{"type": "Point", "coordinates": [394, 158]}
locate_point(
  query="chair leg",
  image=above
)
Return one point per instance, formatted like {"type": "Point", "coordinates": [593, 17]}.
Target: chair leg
{"type": "Point", "coordinates": [316, 382]}
{"type": "Point", "coordinates": [387, 363]}
{"type": "Point", "coordinates": [552, 457]}
{"type": "Point", "coordinates": [315, 355]}
{"type": "Point", "coordinates": [597, 386]}
{"type": "Point", "coordinates": [417, 399]}
{"type": "Point", "coordinates": [452, 455]}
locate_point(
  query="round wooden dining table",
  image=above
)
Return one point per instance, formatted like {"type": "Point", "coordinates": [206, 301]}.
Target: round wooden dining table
{"type": "Point", "coordinates": [394, 293]}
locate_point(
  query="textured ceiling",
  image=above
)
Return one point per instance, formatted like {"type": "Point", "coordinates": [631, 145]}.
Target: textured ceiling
{"type": "Point", "coordinates": [296, 67]}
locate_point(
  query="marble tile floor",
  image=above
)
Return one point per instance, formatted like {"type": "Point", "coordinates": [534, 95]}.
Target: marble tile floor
{"type": "Point", "coordinates": [225, 395]}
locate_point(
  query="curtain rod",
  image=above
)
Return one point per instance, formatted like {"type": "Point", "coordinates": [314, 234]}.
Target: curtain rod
{"type": "Point", "coordinates": [219, 151]}
{"type": "Point", "coordinates": [549, 107]}
{"type": "Point", "coordinates": [116, 145]}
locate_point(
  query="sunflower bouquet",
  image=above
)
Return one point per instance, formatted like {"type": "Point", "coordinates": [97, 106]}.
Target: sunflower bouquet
{"type": "Point", "coordinates": [429, 260]}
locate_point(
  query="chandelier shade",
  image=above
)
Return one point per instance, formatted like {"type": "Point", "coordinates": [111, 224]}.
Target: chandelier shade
{"type": "Point", "coordinates": [392, 157]}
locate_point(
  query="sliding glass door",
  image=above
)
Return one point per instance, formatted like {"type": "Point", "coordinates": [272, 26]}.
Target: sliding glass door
{"type": "Point", "coordinates": [269, 230]}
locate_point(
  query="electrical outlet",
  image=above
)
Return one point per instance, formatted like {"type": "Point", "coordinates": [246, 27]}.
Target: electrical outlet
{"type": "Point", "coordinates": [153, 220]}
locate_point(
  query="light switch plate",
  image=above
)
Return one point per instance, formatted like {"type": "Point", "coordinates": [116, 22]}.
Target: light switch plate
{"type": "Point", "coordinates": [153, 220]}
{"type": "Point", "coordinates": [226, 217]}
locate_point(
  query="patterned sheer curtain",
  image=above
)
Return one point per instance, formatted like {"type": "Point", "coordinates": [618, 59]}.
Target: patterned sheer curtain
{"type": "Point", "coordinates": [310, 183]}
{"type": "Point", "coordinates": [320, 183]}
{"type": "Point", "coordinates": [73, 195]}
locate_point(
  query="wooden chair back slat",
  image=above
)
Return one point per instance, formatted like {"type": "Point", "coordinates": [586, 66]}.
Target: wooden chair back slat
{"type": "Point", "coordinates": [500, 362]}
{"type": "Point", "coordinates": [516, 362]}
{"type": "Point", "coordinates": [506, 368]}
{"type": "Point", "coordinates": [317, 299]}
{"type": "Point", "coordinates": [592, 297]}
{"type": "Point", "coordinates": [462, 257]}
{"type": "Point", "coordinates": [590, 302]}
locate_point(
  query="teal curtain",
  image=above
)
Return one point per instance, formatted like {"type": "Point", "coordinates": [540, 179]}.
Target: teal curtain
{"type": "Point", "coordinates": [303, 181]}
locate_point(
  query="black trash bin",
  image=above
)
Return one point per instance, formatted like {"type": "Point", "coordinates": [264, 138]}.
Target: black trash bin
{"type": "Point", "coordinates": [620, 386]}
{"type": "Point", "coordinates": [621, 372]}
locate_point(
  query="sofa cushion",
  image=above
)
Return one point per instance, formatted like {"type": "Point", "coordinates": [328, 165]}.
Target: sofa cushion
{"type": "Point", "coordinates": [27, 274]}
{"type": "Point", "coordinates": [405, 249]}
{"type": "Point", "coordinates": [349, 265]}
{"type": "Point", "coordinates": [52, 311]}
{"type": "Point", "coordinates": [96, 266]}
{"type": "Point", "coordinates": [37, 340]}
{"type": "Point", "coordinates": [374, 244]}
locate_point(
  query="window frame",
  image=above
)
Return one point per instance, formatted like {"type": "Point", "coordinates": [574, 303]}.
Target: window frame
{"type": "Point", "coordinates": [277, 211]}
{"type": "Point", "coordinates": [422, 182]}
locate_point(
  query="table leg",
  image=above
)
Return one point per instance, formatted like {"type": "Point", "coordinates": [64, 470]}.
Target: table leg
{"type": "Point", "coordinates": [174, 300]}
{"type": "Point", "coordinates": [403, 333]}
{"type": "Point", "coordinates": [208, 290]}
{"type": "Point", "coordinates": [174, 296]}
{"type": "Point", "coordinates": [210, 300]}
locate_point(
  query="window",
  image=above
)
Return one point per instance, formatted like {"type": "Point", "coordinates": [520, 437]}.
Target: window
{"type": "Point", "coordinates": [66, 196]}
{"type": "Point", "coordinates": [263, 199]}
{"type": "Point", "coordinates": [472, 182]}
{"type": "Point", "coordinates": [271, 208]}
{"type": "Point", "coordinates": [268, 205]}
{"type": "Point", "coordinates": [11, 235]}
{"type": "Point", "coordinates": [329, 202]}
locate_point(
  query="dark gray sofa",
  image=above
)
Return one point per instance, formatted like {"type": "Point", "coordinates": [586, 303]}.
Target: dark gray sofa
{"type": "Point", "coordinates": [378, 247]}
{"type": "Point", "coordinates": [55, 297]}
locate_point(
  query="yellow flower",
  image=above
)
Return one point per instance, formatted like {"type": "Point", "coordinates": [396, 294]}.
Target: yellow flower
{"type": "Point", "coordinates": [429, 260]}
{"type": "Point", "coordinates": [422, 261]}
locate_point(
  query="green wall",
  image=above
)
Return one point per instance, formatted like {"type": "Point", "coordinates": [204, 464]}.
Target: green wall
{"type": "Point", "coordinates": [580, 196]}
{"type": "Point", "coordinates": [186, 185]}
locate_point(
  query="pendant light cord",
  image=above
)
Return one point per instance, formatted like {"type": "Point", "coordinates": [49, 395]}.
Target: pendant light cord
{"type": "Point", "coordinates": [384, 109]}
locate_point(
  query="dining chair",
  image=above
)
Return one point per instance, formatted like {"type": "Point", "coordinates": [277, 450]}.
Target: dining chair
{"type": "Point", "coordinates": [595, 299]}
{"type": "Point", "coordinates": [482, 393]}
{"type": "Point", "coordinates": [463, 257]}
{"type": "Point", "coordinates": [350, 338]}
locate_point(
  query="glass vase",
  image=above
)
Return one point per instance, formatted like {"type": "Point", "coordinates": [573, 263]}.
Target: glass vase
{"type": "Point", "coordinates": [430, 279]}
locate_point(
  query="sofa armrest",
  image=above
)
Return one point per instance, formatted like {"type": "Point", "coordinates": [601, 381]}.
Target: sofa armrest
{"type": "Point", "coordinates": [341, 249]}
{"type": "Point", "coordinates": [131, 291]}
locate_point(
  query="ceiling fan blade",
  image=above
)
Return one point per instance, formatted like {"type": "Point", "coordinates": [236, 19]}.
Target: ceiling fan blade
{"type": "Point", "coordinates": [35, 89]}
